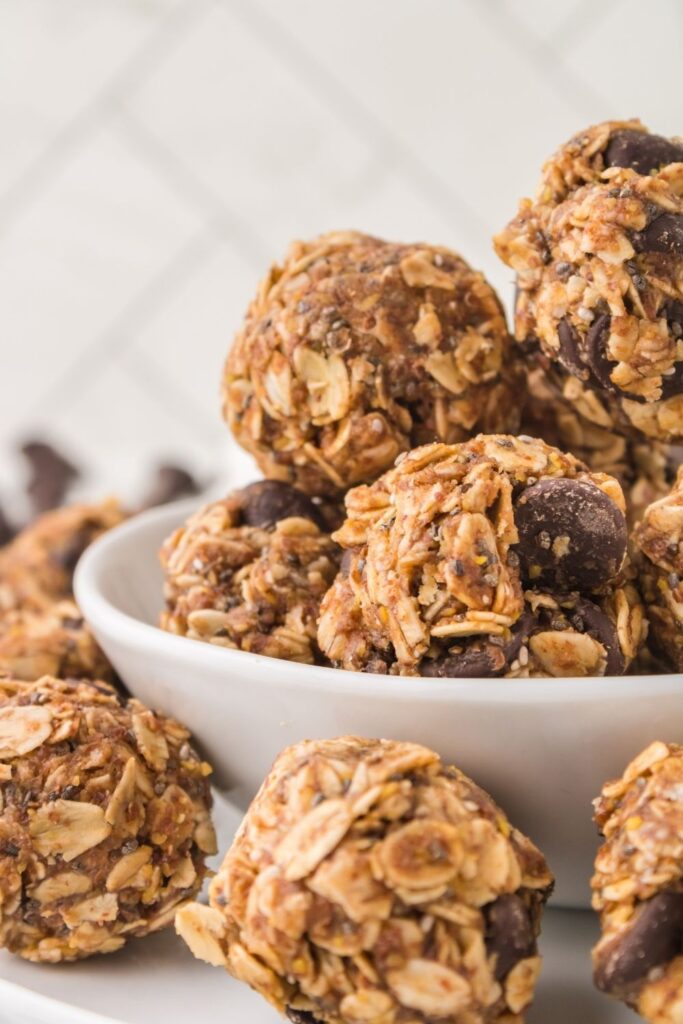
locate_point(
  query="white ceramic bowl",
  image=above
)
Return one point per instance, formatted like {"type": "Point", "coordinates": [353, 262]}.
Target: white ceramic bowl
{"type": "Point", "coordinates": [542, 747]}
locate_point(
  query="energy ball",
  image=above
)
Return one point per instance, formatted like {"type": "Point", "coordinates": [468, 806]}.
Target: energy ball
{"type": "Point", "coordinates": [370, 882]}
{"type": "Point", "coordinates": [658, 539]}
{"type": "Point", "coordinates": [56, 642]}
{"type": "Point", "coordinates": [356, 349]}
{"type": "Point", "coordinates": [638, 886]}
{"type": "Point", "coordinates": [37, 567]}
{"type": "Point", "coordinates": [249, 572]}
{"type": "Point", "coordinates": [500, 556]}
{"type": "Point", "coordinates": [104, 820]}
{"type": "Point", "coordinates": [599, 271]}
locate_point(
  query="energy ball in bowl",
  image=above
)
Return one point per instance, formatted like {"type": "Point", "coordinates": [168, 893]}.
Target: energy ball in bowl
{"type": "Point", "coordinates": [638, 885]}
{"type": "Point", "coordinates": [358, 349]}
{"type": "Point", "coordinates": [658, 539]}
{"type": "Point", "coordinates": [56, 642]}
{"type": "Point", "coordinates": [249, 572]}
{"type": "Point", "coordinates": [37, 567]}
{"type": "Point", "coordinates": [370, 882]}
{"type": "Point", "coordinates": [500, 556]}
{"type": "Point", "coordinates": [104, 820]}
{"type": "Point", "coordinates": [600, 293]}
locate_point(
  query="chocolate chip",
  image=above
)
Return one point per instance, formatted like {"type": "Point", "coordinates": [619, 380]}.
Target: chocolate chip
{"type": "Point", "coordinates": [509, 933]}
{"type": "Point", "coordinates": [67, 557]}
{"type": "Point", "coordinates": [51, 475]}
{"type": "Point", "coordinates": [570, 352]}
{"type": "Point", "coordinates": [266, 502]}
{"type": "Point", "coordinates": [596, 345]}
{"type": "Point", "coordinates": [480, 658]}
{"type": "Point", "coordinates": [171, 483]}
{"type": "Point", "coordinates": [663, 234]}
{"type": "Point", "coordinates": [591, 619]}
{"type": "Point", "coordinates": [7, 531]}
{"type": "Point", "coordinates": [472, 661]}
{"type": "Point", "coordinates": [300, 1016]}
{"type": "Point", "coordinates": [641, 151]}
{"type": "Point", "coordinates": [654, 938]}
{"type": "Point", "coordinates": [587, 530]}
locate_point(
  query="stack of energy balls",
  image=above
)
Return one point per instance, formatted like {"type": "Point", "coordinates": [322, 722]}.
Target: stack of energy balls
{"type": "Point", "coordinates": [440, 498]}
{"type": "Point", "coordinates": [105, 825]}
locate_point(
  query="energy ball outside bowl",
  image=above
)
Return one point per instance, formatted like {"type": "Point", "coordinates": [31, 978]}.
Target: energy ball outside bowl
{"type": "Point", "coordinates": [638, 885]}
{"type": "Point", "coordinates": [249, 572]}
{"type": "Point", "coordinates": [658, 540]}
{"type": "Point", "coordinates": [37, 567]}
{"type": "Point", "coordinates": [104, 820]}
{"type": "Point", "coordinates": [55, 642]}
{"type": "Point", "coordinates": [356, 349]}
{"type": "Point", "coordinates": [501, 556]}
{"type": "Point", "coordinates": [599, 269]}
{"type": "Point", "coordinates": [371, 883]}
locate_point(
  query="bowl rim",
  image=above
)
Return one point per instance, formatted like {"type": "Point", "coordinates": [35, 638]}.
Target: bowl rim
{"type": "Point", "coordinates": [108, 620]}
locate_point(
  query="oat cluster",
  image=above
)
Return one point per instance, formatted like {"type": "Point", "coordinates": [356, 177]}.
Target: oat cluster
{"type": "Point", "coordinates": [356, 349]}
{"type": "Point", "coordinates": [249, 572]}
{"type": "Point", "coordinates": [598, 256]}
{"type": "Point", "coordinates": [658, 540]}
{"type": "Point", "coordinates": [104, 819]}
{"type": "Point", "coordinates": [370, 882]}
{"type": "Point", "coordinates": [499, 556]}
{"type": "Point", "coordinates": [638, 885]}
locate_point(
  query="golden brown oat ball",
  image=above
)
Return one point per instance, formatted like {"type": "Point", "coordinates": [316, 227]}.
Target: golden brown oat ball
{"type": "Point", "coordinates": [638, 885]}
{"type": "Point", "coordinates": [56, 642]}
{"type": "Point", "coordinates": [500, 556]}
{"type": "Point", "coordinates": [104, 819]}
{"type": "Point", "coordinates": [370, 882]}
{"type": "Point", "coordinates": [599, 262]}
{"type": "Point", "coordinates": [249, 572]}
{"type": "Point", "coordinates": [37, 567]}
{"type": "Point", "coordinates": [658, 540]}
{"type": "Point", "coordinates": [358, 349]}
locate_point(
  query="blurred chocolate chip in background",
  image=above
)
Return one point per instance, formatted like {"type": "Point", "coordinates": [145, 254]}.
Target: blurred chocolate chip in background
{"type": "Point", "coordinates": [51, 475]}
{"type": "Point", "coordinates": [7, 531]}
{"type": "Point", "coordinates": [171, 483]}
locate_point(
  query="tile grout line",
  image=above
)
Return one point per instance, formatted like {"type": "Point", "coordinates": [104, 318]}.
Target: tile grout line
{"type": "Point", "coordinates": [357, 116]}
{"type": "Point", "coordinates": [15, 199]}
{"type": "Point", "coordinates": [190, 188]}
{"type": "Point", "coordinates": [155, 382]}
{"type": "Point", "coordinates": [141, 309]}
{"type": "Point", "coordinates": [547, 60]}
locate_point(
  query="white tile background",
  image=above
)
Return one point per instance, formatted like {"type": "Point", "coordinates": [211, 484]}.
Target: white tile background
{"type": "Point", "coordinates": [156, 155]}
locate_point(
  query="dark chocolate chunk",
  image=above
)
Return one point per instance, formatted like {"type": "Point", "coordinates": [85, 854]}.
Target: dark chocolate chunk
{"type": "Point", "coordinates": [472, 661]}
{"type": "Point", "coordinates": [654, 938]}
{"type": "Point", "coordinates": [171, 483]}
{"type": "Point", "coordinates": [266, 502]}
{"type": "Point", "coordinates": [592, 620]}
{"type": "Point", "coordinates": [572, 536]}
{"type": "Point", "coordinates": [300, 1016]}
{"type": "Point", "coordinates": [596, 344]}
{"type": "Point", "coordinates": [51, 475]}
{"type": "Point", "coordinates": [570, 352]}
{"type": "Point", "coordinates": [7, 531]}
{"type": "Point", "coordinates": [641, 151]}
{"type": "Point", "coordinates": [480, 658]}
{"type": "Point", "coordinates": [663, 234]}
{"type": "Point", "coordinates": [509, 933]}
